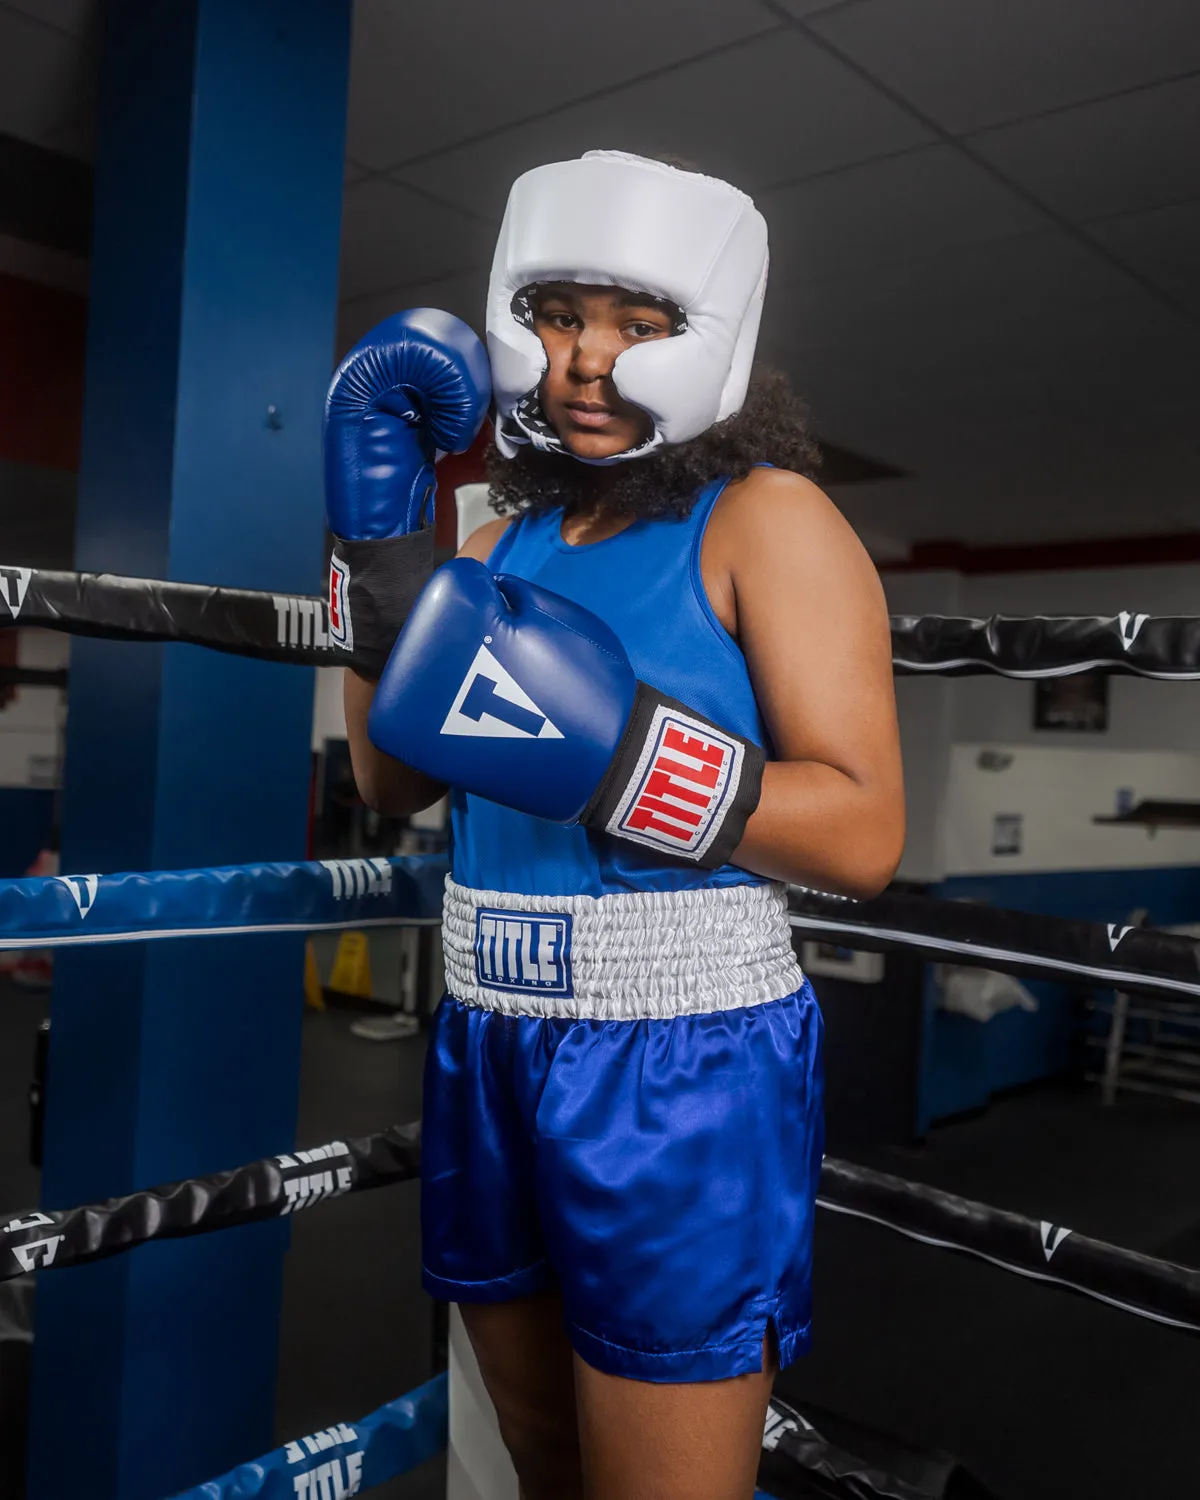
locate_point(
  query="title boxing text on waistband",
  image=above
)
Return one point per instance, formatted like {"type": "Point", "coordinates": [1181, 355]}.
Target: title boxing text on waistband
{"type": "Point", "coordinates": [638, 955]}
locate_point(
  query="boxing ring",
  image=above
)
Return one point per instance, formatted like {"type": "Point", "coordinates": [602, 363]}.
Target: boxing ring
{"type": "Point", "coordinates": [451, 1410]}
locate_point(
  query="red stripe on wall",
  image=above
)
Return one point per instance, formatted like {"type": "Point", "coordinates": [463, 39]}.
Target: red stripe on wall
{"type": "Point", "coordinates": [42, 337]}
{"type": "Point", "coordinates": [456, 469]}
{"type": "Point", "coordinates": [1046, 557]}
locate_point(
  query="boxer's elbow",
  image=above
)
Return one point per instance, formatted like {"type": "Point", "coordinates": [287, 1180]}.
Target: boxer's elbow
{"type": "Point", "coordinates": [870, 878]}
{"type": "Point", "coordinates": [873, 854]}
{"type": "Point", "coordinates": [377, 794]}
{"type": "Point", "coordinates": [394, 790]}
{"type": "Point", "coordinates": [386, 786]}
{"type": "Point", "coordinates": [824, 828]}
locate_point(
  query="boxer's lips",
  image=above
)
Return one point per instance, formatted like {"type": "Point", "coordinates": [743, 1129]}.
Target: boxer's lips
{"type": "Point", "coordinates": [589, 413]}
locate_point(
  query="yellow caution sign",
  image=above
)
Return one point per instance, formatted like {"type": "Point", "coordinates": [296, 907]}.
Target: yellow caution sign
{"type": "Point", "coordinates": [352, 966]}
{"type": "Point", "coordinates": [314, 996]}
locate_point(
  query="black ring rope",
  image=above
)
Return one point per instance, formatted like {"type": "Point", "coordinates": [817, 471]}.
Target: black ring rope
{"type": "Point", "coordinates": [286, 1184]}
{"type": "Point", "coordinates": [294, 627]}
{"type": "Point", "coordinates": [1041, 1251]}
{"type": "Point", "coordinates": [245, 622]}
{"type": "Point", "coordinates": [1139, 960]}
{"type": "Point", "coordinates": [1166, 647]}
{"type": "Point", "coordinates": [266, 1189]}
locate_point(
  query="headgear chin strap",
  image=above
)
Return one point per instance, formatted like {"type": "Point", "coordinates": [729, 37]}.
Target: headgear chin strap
{"type": "Point", "coordinates": [611, 219]}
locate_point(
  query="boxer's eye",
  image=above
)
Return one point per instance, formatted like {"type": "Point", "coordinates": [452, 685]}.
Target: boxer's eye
{"type": "Point", "coordinates": [564, 321]}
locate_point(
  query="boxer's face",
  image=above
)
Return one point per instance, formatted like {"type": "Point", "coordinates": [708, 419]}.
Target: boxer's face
{"type": "Point", "coordinates": [584, 329]}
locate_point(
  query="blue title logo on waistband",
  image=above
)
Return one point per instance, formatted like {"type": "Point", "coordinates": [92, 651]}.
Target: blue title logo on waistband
{"type": "Point", "coordinates": [525, 951]}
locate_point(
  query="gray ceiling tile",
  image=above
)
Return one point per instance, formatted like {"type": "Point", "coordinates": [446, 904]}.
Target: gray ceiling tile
{"type": "Point", "coordinates": [766, 112]}
{"type": "Point", "coordinates": [970, 63]}
{"type": "Point", "coordinates": [56, 268]}
{"type": "Point", "coordinates": [994, 370]}
{"type": "Point", "coordinates": [79, 17]}
{"type": "Point", "coordinates": [392, 236]}
{"type": "Point", "coordinates": [464, 296]}
{"type": "Point", "coordinates": [1024, 482]}
{"type": "Point", "coordinates": [1028, 496]}
{"type": "Point", "coordinates": [76, 134]}
{"type": "Point", "coordinates": [1164, 244]}
{"type": "Point", "coordinates": [41, 74]}
{"type": "Point", "coordinates": [1136, 152]}
{"type": "Point", "coordinates": [964, 305]}
{"type": "Point", "coordinates": [426, 76]}
{"type": "Point", "coordinates": [889, 211]}
{"type": "Point", "coordinates": [802, 9]}
{"type": "Point", "coordinates": [1185, 292]}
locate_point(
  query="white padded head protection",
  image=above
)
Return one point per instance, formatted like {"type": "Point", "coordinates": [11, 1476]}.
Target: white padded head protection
{"type": "Point", "coordinates": [611, 219]}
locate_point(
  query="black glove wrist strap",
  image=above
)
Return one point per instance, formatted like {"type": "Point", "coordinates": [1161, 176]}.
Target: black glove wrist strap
{"type": "Point", "coordinates": [678, 783]}
{"type": "Point", "coordinates": [372, 587]}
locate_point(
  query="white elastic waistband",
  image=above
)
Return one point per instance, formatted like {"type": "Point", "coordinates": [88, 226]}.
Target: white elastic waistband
{"type": "Point", "coordinates": [635, 956]}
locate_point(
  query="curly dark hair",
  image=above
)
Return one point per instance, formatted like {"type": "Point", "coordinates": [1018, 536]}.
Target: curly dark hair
{"type": "Point", "coordinates": [771, 428]}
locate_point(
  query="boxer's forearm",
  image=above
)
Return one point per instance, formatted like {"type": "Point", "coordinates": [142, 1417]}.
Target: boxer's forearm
{"type": "Point", "coordinates": [384, 784]}
{"type": "Point", "coordinates": [817, 826]}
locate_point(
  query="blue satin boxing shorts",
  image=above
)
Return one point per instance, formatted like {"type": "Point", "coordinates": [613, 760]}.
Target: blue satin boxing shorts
{"type": "Point", "coordinates": [662, 1169]}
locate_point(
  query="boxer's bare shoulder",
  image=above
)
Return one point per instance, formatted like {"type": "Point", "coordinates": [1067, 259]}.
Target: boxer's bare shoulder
{"type": "Point", "coordinates": [778, 533]}
{"type": "Point", "coordinates": [484, 538]}
{"type": "Point", "coordinates": [768, 499]}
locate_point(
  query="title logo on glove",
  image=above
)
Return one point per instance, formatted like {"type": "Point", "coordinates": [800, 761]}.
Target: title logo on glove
{"type": "Point", "coordinates": [686, 776]}
{"type": "Point", "coordinates": [341, 629]}
{"type": "Point", "coordinates": [491, 704]}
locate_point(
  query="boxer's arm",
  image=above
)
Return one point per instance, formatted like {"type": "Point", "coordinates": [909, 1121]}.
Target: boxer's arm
{"type": "Point", "coordinates": [386, 785]}
{"type": "Point", "coordinates": [811, 619]}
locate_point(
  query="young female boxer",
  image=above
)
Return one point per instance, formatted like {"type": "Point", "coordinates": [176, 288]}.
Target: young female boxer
{"type": "Point", "coordinates": [676, 697]}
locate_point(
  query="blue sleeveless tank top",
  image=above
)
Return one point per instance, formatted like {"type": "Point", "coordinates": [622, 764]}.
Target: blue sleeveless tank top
{"type": "Point", "coordinates": [645, 583]}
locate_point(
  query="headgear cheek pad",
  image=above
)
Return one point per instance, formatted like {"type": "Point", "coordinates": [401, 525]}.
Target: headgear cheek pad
{"type": "Point", "coordinates": [611, 219]}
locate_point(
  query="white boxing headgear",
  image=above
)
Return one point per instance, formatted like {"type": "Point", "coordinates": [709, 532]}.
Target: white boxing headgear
{"type": "Point", "coordinates": [611, 219]}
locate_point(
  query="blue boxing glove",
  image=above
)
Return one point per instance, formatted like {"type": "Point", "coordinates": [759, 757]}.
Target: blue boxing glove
{"type": "Point", "coordinates": [417, 383]}
{"type": "Point", "coordinates": [521, 696]}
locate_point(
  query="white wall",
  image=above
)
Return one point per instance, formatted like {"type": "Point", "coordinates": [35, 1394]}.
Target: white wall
{"type": "Point", "coordinates": [925, 706]}
{"type": "Point", "coordinates": [329, 719]}
{"type": "Point", "coordinates": [30, 726]}
{"type": "Point", "coordinates": [1057, 793]}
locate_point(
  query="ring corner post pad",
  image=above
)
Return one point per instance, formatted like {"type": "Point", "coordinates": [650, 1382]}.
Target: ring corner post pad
{"type": "Point", "coordinates": [155, 1370]}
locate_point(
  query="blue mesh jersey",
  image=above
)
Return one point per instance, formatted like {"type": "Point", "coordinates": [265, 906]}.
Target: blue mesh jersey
{"type": "Point", "coordinates": [645, 583]}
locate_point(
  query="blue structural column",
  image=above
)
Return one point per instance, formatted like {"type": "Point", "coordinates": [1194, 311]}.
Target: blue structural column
{"type": "Point", "coordinates": [213, 300]}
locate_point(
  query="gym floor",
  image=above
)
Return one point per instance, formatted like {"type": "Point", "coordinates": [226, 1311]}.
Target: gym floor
{"type": "Point", "coordinates": [1043, 1395]}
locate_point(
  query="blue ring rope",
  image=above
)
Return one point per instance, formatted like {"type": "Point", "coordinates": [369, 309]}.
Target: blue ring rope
{"type": "Point", "coordinates": [51, 911]}
{"type": "Point", "coordinates": [346, 1459]}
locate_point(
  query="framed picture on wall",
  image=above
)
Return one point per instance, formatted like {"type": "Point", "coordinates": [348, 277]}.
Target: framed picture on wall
{"type": "Point", "coordinates": [1077, 705]}
{"type": "Point", "coordinates": [1008, 833]}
